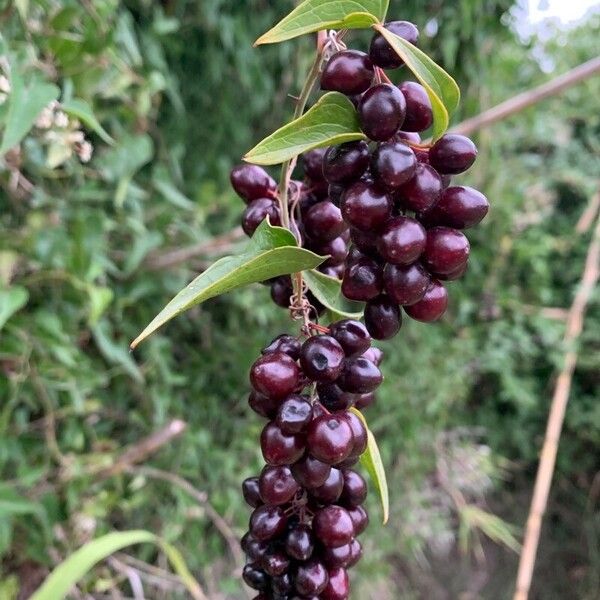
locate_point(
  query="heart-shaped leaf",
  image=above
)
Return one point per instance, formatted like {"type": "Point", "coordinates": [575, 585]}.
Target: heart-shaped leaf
{"type": "Point", "coordinates": [68, 573]}
{"type": "Point", "coordinates": [332, 120]}
{"type": "Point", "coordinates": [316, 15]}
{"type": "Point", "coordinates": [443, 91]}
{"type": "Point", "coordinates": [271, 252]}
{"type": "Point", "coordinates": [24, 106]}
{"type": "Point", "coordinates": [328, 291]}
{"type": "Point", "coordinates": [371, 461]}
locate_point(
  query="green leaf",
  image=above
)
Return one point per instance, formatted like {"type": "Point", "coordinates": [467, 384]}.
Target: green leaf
{"type": "Point", "coordinates": [328, 291]}
{"type": "Point", "coordinates": [25, 104]}
{"type": "Point", "coordinates": [443, 91]}
{"type": "Point", "coordinates": [271, 252]}
{"type": "Point", "coordinates": [68, 573]}
{"type": "Point", "coordinates": [11, 300]}
{"type": "Point", "coordinates": [316, 15]}
{"type": "Point", "coordinates": [83, 111]}
{"type": "Point", "coordinates": [332, 120]}
{"type": "Point", "coordinates": [371, 461]}
{"type": "Point", "coordinates": [11, 503]}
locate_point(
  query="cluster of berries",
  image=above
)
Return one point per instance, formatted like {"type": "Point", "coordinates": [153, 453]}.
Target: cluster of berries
{"type": "Point", "coordinates": [308, 500]}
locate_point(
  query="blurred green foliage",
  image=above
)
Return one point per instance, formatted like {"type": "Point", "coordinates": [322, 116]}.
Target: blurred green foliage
{"type": "Point", "coordinates": [178, 87]}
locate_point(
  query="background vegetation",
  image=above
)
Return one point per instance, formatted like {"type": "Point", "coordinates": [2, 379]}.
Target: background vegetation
{"type": "Point", "coordinates": [178, 88]}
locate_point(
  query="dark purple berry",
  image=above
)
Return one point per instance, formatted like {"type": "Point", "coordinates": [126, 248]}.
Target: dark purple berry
{"type": "Point", "coordinates": [452, 154]}
{"type": "Point", "coordinates": [263, 405]}
{"type": "Point", "coordinates": [254, 577]}
{"type": "Point", "coordinates": [333, 526]}
{"type": "Point", "coordinates": [330, 438]}
{"type": "Point", "coordinates": [360, 519]}
{"type": "Point", "coordinates": [402, 240]}
{"type": "Point", "coordinates": [355, 553]}
{"type": "Point", "coordinates": [405, 284]}
{"type": "Point", "coordinates": [447, 250]}
{"type": "Point", "coordinates": [460, 207]}
{"type": "Point", "coordinates": [360, 376]}
{"type": "Point", "coordinates": [257, 211]}
{"type": "Point", "coordinates": [366, 206]}
{"type": "Point", "coordinates": [288, 344]}
{"type": "Point", "coordinates": [294, 414]}
{"type": "Point", "coordinates": [419, 114]}
{"type": "Point", "coordinates": [383, 317]}
{"type": "Point", "coordinates": [346, 163]}
{"type": "Point", "coordinates": [299, 543]}
{"type": "Point", "coordinates": [352, 336]}
{"type": "Point", "coordinates": [359, 433]}
{"type": "Point", "coordinates": [275, 563]}
{"type": "Point", "coordinates": [251, 492]}
{"type": "Point", "coordinates": [422, 191]}
{"type": "Point", "coordinates": [311, 578]}
{"type": "Point", "coordinates": [277, 485]}
{"type": "Point", "coordinates": [322, 358]}
{"type": "Point", "coordinates": [364, 401]}
{"type": "Point", "coordinates": [275, 375]}
{"type": "Point", "coordinates": [310, 472]}
{"type": "Point", "coordinates": [252, 182]}
{"type": "Point", "coordinates": [382, 54]}
{"type": "Point", "coordinates": [313, 164]}
{"type": "Point", "coordinates": [337, 249]}
{"type": "Point", "coordinates": [324, 222]}
{"type": "Point", "coordinates": [333, 398]}
{"type": "Point", "coordinates": [452, 276]}
{"type": "Point", "coordinates": [349, 72]}
{"type": "Point", "coordinates": [267, 522]}
{"type": "Point", "coordinates": [281, 291]}
{"type": "Point", "coordinates": [338, 586]}
{"type": "Point", "coordinates": [393, 164]}
{"type": "Point", "coordinates": [331, 490]}
{"type": "Point", "coordinates": [354, 492]}
{"type": "Point", "coordinates": [381, 111]}
{"type": "Point", "coordinates": [432, 306]}
{"type": "Point", "coordinates": [363, 280]}
{"type": "Point", "coordinates": [278, 448]}
{"type": "Point", "coordinates": [337, 557]}
{"type": "Point", "coordinates": [375, 355]}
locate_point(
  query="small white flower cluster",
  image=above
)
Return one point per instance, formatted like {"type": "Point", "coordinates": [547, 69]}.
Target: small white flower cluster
{"type": "Point", "coordinates": [64, 133]}
{"type": "Point", "coordinates": [4, 89]}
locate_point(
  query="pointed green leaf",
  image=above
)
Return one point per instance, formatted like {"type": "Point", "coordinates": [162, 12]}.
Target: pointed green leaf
{"type": "Point", "coordinates": [11, 300]}
{"type": "Point", "coordinates": [24, 106]}
{"type": "Point", "coordinates": [371, 461]}
{"type": "Point", "coordinates": [83, 111]}
{"type": "Point", "coordinates": [272, 251]}
{"type": "Point", "coordinates": [59, 583]}
{"type": "Point", "coordinates": [328, 291]}
{"type": "Point", "coordinates": [332, 120]}
{"type": "Point", "coordinates": [316, 15]}
{"type": "Point", "coordinates": [443, 91]}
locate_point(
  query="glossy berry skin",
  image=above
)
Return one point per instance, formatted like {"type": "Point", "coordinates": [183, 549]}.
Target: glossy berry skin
{"type": "Point", "coordinates": [407, 136]}
{"type": "Point", "coordinates": [294, 414]}
{"type": "Point", "coordinates": [405, 284]}
{"type": "Point", "coordinates": [460, 207]}
{"type": "Point", "coordinates": [257, 211]}
{"type": "Point", "coordinates": [281, 586]}
{"type": "Point", "coordinates": [311, 578]}
{"type": "Point", "coordinates": [432, 306]}
{"type": "Point", "coordinates": [375, 355]}
{"type": "Point", "coordinates": [360, 519]}
{"type": "Point", "coordinates": [331, 490]}
{"type": "Point", "coordinates": [402, 240]}
{"type": "Point", "coordinates": [275, 563]}
{"type": "Point", "coordinates": [362, 280]}
{"type": "Point", "coordinates": [393, 164]}
{"type": "Point", "coordinates": [365, 244]}
{"type": "Point", "coordinates": [275, 375]}
{"type": "Point", "coordinates": [447, 250]}
{"type": "Point", "coordinates": [255, 578]}
{"type": "Point", "coordinates": [324, 221]}
{"type": "Point", "coordinates": [337, 557]}
{"type": "Point", "coordinates": [359, 433]}
{"type": "Point", "coordinates": [337, 249]}
{"type": "Point", "coordinates": [419, 114]}
{"type": "Point", "coordinates": [288, 344]}
{"type": "Point", "coordinates": [360, 376]}
{"type": "Point", "coordinates": [383, 317]}
{"type": "Point", "coordinates": [422, 191]}
{"type": "Point", "coordinates": [277, 485]}
{"type": "Point", "coordinates": [338, 586]}
{"type": "Point", "coordinates": [313, 164]}
{"type": "Point", "coordinates": [354, 492]}
{"type": "Point", "coordinates": [453, 275]}
{"type": "Point", "coordinates": [349, 72]}
{"type": "Point", "coordinates": [252, 182]}
{"type": "Point", "coordinates": [310, 472]}
{"type": "Point", "coordinates": [280, 449]}
{"type": "Point", "coordinates": [330, 438]}
{"type": "Point", "coordinates": [281, 291]}
{"type": "Point", "coordinates": [254, 549]}
{"type": "Point", "coordinates": [381, 52]}
{"type": "Point", "coordinates": [346, 163]}
{"type": "Point", "coordinates": [299, 542]}
{"type": "Point", "coordinates": [366, 206]}
{"type": "Point", "coordinates": [251, 492]}
{"type": "Point", "coordinates": [333, 526]}
{"type": "Point", "coordinates": [263, 405]}
{"type": "Point", "coordinates": [452, 154]}
{"type": "Point", "coordinates": [356, 553]}
{"type": "Point", "coordinates": [333, 398]}
{"type": "Point", "coordinates": [267, 522]}
{"type": "Point", "coordinates": [352, 336]}
{"type": "Point", "coordinates": [381, 111]}
{"type": "Point", "coordinates": [322, 358]}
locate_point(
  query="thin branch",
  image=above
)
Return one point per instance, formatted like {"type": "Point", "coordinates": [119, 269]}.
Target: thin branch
{"type": "Point", "coordinates": [589, 214]}
{"type": "Point", "coordinates": [556, 418]}
{"type": "Point", "coordinates": [529, 98]}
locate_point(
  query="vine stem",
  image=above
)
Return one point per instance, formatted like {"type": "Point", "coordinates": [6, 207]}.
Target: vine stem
{"type": "Point", "coordinates": [288, 166]}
